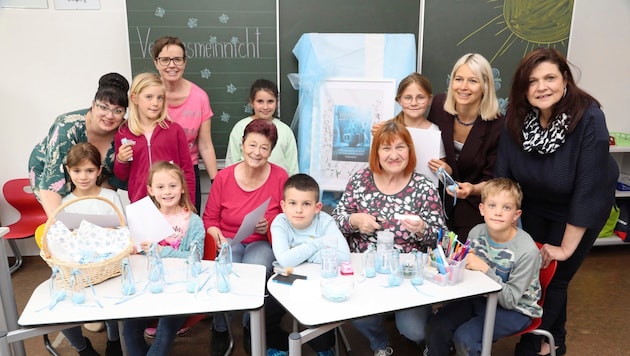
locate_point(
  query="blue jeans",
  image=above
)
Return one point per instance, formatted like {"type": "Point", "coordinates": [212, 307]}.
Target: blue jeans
{"type": "Point", "coordinates": [257, 253]}
{"type": "Point", "coordinates": [409, 322]}
{"type": "Point", "coordinates": [133, 333]}
{"type": "Point", "coordinates": [461, 323]}
{"type": "Point", "coordinates": [77, 341]}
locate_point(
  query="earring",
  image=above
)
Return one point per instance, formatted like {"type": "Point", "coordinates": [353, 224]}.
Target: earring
{"type": "Point", "coordinates": [565, 92]}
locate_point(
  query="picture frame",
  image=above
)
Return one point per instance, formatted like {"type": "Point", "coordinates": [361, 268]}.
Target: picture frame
{"type": "Point", "coordinates": [341, 136]}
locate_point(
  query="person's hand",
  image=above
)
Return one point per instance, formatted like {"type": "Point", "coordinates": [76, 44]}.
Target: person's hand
{"type": "Point", "coordinates": [417, 226]}
{"type": "Point", "coordinates": [435, 163]}
{"type": "Point", "coordinates": [550, 252]}
{"type": "Point", "coordinates": [365, 223]}
{"type": "Point", "coordinates": [474, 263]}
{"type": "Point", "coordinates": [146, 246]}
{"type": "Point", "coordinates": [261, 226]}
{"type": "Point", "coordinates": [217, 235]}
{"type": "Point", "coordinates": [125, 153]}
{"type": "Point", "coordinates": [464, 190]}
{"type": "Point", "coordinates": [376, 126]}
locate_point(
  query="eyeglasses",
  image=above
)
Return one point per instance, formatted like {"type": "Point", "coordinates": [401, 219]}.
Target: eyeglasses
{"type": "Point", "coordinates": [105, 109]}
{"type": "Point", "coordinates": [408, 99]}
{"type": "Point", "coordinates": [164, 61]}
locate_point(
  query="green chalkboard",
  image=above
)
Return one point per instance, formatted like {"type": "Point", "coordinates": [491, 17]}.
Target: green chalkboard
{"type": "Point", "coordinates": [335, 16]}
{"type": "Point", "coordinates": [229, 44]}
{"type": "Point", "coordinates": [501, 31]}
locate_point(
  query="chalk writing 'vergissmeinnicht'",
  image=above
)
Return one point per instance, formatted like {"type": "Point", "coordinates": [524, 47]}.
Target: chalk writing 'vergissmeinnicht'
{"type": "Point", "coordinates": [249, 48]}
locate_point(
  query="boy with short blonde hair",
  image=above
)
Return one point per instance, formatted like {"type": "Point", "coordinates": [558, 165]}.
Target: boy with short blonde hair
{"type": "Point", "coordinates": [508, 255]}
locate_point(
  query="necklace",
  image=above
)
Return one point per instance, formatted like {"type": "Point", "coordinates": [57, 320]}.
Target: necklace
{"type": "Point", "coordinates": [464, 123]}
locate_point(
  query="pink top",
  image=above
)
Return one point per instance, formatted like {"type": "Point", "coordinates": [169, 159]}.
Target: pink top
{"type": "Point", "coordinates": [190, 115]}
{"type": "Point", "coordinates": [228, 203]}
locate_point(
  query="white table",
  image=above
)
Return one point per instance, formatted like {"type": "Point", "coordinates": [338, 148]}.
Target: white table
{"type": "Point", "coordinates": [247, 293]}
{"type": "Point", "coordinates": [304, 301]}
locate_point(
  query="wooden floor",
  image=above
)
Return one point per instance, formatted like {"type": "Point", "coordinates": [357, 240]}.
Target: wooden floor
{"type": "Point", "coordinates": [598, 309]}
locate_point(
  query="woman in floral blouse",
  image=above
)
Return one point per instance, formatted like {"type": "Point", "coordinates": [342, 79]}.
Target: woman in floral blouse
{"type": "Point", "coordinates": [96, 125]}
{"type": "Point", "coordinates": [372, 198]}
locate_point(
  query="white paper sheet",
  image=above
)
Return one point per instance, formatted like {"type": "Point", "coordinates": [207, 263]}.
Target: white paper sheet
{"type": "Point", "coordinates": [427, 145]}
{"type": "Point", "coordinates": [250, 221]}
{"type": "Point", "coordinates": [73, 220]}
{"type": "Point", "coordinates": [146, 223]}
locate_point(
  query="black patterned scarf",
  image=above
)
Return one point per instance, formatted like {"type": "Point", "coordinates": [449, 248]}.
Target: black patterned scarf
{"type": "Point", "coordinates": [544, 141]}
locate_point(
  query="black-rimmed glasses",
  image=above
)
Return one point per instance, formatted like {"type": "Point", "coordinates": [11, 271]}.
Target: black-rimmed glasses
{"type": "Point", "coordinates": [164, 61]}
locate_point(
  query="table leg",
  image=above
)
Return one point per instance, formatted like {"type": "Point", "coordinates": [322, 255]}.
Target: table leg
{"type": "Point", "coordinates": [488, 324]}
{"type": "Point", "coordinates": [4, 345]}
{"type": "Point", "coordinates": [9, 308]}
{"type": "Point", "coordinates": [257, 324]}
{"type": "Point", "coordinates": [295, 344]}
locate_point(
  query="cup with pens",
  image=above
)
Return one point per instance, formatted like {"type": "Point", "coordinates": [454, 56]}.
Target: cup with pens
{"type": "Point", "coordinates": [447, 261]}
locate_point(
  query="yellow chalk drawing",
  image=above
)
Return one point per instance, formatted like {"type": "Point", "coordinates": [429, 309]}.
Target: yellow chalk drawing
{"type": "Point", "coordinates": [533, 22]}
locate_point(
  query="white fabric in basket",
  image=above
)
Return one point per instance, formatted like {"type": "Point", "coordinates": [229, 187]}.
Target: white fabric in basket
{"type": "Point", "coordinates": [88, 244]}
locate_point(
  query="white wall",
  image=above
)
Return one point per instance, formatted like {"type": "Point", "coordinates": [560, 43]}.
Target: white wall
{"type": "Point", "coordinates": [51, 61]}
{"type": "Point", "coordinates": [600, 47]}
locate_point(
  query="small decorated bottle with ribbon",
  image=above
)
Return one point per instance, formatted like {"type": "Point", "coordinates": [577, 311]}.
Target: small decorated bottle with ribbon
{"type": "Point", "coordinates": [77, 287]}
{"type": "Point", "coordinates": [369, 262]}
{"type": "Point", "coordinates": [128, 283]}
{"type": "Point", "coordinates": [57, 292]}
{"type": "Point", "coordinates": [396, 276]}
{"type": "Point", "coordinates": [222, 274]}
{"type": "Point", "coordinates": [225, 253]}
{"type": "Point", "coordinates": [156, 271]}
{"type": "Point", "coordinates": [417, 277]}
{"type": "Point", "coordinates": [193, 268]}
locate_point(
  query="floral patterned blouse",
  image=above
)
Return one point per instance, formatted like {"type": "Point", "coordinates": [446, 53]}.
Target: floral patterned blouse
{"type": "Point", "coordinates": [46, 165]}
{"type": "Point", "coordinates": [419, 197]}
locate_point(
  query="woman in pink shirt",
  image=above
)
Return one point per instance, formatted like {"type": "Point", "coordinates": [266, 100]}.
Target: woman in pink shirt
{"type": "Point", "coordinates": [237, 190]}
{"type": "Point", "coordinates": [187, 104]}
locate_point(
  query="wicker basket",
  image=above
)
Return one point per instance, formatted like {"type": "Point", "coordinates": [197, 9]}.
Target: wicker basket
{"type": "Point", "coordinates": [96, 272]}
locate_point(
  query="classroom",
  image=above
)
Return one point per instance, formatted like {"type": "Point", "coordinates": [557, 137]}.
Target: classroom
{"type": "Point", "coordinates": [53, 59]}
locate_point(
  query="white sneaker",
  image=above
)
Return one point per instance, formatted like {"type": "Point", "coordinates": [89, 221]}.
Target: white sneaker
{"type": "Point", "coordinates": [384, 352]}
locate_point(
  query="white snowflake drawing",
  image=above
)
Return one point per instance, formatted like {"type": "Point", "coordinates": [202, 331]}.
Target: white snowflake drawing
{"type": "Point", "coordinates": [213, 39]}
{"type": "Point", "coordinates": [224, 18]}
{"type": "Point", "coordinates": [192, 22]}
{"type": "Point", "coordinates": [159, 12]}
{"type": "Point", "coordinates": [225, 117]}
{"type": "Point", "coordinates": [234, 40]}
{"type": "Point", "coordinates": [248, 109]}
{"type": "Point", "coordinates": [206, 73]}
{"type": "Point", "coordinates": [231, 88]}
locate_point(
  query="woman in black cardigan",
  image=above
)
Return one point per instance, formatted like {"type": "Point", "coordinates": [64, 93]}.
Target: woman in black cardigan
{"type": "Point", "coordinates": [468, 116]}
{"type": "Point", "coordinates": [555, 145]}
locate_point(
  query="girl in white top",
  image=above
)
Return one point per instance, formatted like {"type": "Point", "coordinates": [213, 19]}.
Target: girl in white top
{"type": "Point", "coordinates": [84, 166]}
{"type": "Point", "coordinates": [263, 98]}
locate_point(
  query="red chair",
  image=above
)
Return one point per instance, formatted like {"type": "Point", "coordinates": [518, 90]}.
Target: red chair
{"type": "Point", "coordinates": [546, 274]}
{"type": "Point", "coordinates": [18, 193]}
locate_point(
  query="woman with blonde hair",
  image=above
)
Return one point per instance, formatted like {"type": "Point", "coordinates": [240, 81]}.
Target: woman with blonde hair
{"type": "Point", "coordinates": [469, 118]}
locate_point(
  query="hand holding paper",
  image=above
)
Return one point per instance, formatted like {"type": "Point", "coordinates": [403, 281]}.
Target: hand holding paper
{"type": "Point", "coordinates": [146, 223]}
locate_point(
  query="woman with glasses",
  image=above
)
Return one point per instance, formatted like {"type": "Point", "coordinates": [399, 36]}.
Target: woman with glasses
{"type": "Point", "coordinates": [468, 116]}
{"type": "Point", "coordinates": [187, 104]}
{"type": "Point", "coordinates": [47, 165]}
{"type": "Point", "coordinates": [96, 125]}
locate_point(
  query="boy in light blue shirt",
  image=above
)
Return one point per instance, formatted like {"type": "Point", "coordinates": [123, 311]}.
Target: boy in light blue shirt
{"type": "Point", "coordinates": [298, 236]}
